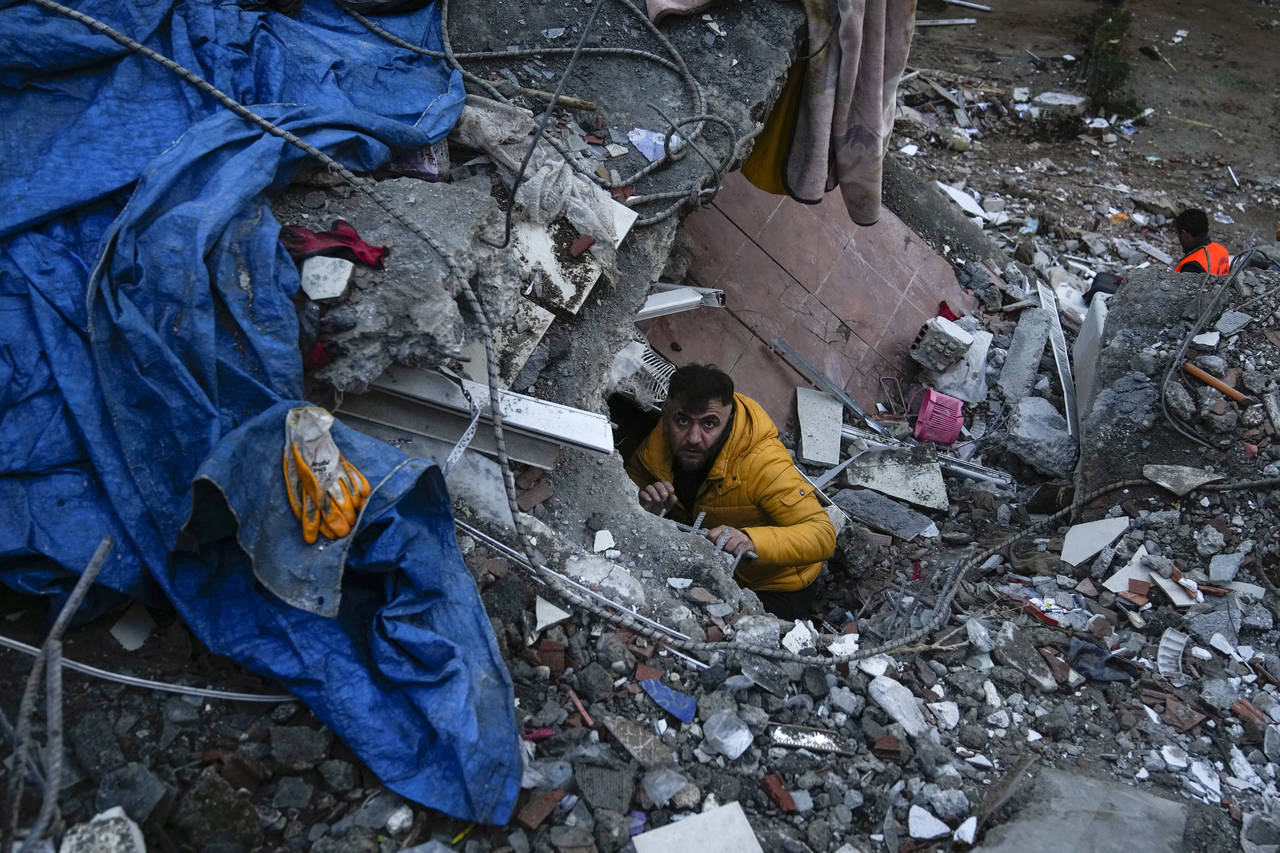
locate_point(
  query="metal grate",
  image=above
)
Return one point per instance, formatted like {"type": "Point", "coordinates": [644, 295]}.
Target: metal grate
{"type": "Point", "coordinates": [654, 378]}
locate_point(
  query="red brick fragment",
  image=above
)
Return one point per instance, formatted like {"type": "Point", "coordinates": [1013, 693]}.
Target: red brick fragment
{"type": "Point", "coordinates": [592, 139]}
{"type": "Point", "coordinates": [890, 749]}
{"type": "Point", "coordinates": [775, 788]}
{"type": "Point", "coordinates": [644, 672]}
{"type": "Point", "coordinates": [551, 654]}
{"type": "Point", "coordinates": [1139, 587]}
{"type": "Point", "coordinates": [581, 245]}
{"type": "Point", "coordinates": [537, 809]}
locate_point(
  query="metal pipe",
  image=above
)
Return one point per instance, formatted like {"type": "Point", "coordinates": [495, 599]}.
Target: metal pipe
{"type": "Point", "coordinates": [1213, 382]}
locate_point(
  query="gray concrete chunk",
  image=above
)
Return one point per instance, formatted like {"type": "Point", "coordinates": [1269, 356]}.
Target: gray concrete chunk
{"type": "Point", "coordinates": [1018, 376]}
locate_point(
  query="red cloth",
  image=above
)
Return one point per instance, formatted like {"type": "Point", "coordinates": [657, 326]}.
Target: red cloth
{"type": "Point", "coordinates": [341, 242]}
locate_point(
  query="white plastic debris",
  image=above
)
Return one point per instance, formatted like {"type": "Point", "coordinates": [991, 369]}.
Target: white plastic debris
{"type": "Point", "coordinates": [725, 733]}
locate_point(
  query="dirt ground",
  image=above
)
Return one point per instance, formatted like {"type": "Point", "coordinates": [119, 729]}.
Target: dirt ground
{"type": "Point", "coordinates": [1220, 108]}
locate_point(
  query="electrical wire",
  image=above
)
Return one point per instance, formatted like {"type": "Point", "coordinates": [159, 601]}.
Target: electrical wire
{"type": "Point", "coordinates": [558, 584]}
{"type": "Point", "coordinates": [676, 64]}
{"type": "Point", "coordinates": [148, 684]}
{"type": "Point", "coordinates": [542, 124]}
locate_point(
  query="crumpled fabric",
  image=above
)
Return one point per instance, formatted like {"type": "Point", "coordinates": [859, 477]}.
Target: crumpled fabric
{"type": "Point", "coordinates": [147, 324]}
{"type": "Point", "coordinates": [840, 118]}
{"type": "Point", "coordinates": [1098, 664]}
{"type": "Point", "coordinates": [550, 187]}
{"type": "Point", "coordinates": [341, 241]}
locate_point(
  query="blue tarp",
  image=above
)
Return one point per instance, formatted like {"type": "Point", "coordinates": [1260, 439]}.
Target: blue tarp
{"type": "Point", "coordinates": [148, 353]}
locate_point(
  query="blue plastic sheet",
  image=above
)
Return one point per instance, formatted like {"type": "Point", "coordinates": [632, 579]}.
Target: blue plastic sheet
{"type": "Point", "coordinates": [148, 352]}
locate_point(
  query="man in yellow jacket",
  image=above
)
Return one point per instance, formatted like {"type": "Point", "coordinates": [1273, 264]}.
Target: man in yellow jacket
{"type": "Point", "coordinates": [718, 452]}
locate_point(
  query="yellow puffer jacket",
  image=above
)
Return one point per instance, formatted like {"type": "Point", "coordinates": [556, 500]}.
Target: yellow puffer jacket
{"type": "Point", "coordinates": [754, 486]}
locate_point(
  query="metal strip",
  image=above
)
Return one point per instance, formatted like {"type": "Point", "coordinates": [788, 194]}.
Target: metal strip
{"type": "Point", "coordinates": [820, 379]}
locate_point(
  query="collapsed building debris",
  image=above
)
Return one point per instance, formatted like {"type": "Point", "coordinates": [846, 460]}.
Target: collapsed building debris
{"type": "Point", "coordinates": [655, 704]}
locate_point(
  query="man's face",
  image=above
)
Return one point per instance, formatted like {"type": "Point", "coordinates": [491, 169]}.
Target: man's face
{"type": "Point", "coordinates": [695, 435]}
{"type": "Point", "coordinates": [1185, 240]}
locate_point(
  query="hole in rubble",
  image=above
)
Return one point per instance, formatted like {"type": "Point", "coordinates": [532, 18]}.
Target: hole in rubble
{"type": "Point", "coordinates": [631, 423]}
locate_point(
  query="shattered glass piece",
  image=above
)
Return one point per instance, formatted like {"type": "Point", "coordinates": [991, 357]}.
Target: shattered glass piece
{"type": "Point", "coordinates": [639, 742]}
{"type": "Point", "coordinates": [679, 705]}
{"type": "Point", "coordinates": [725, 733]}
{"type": "Point", "coordinates": [661, 785]}
{"type": "Point", "coordinates": [766, 675]}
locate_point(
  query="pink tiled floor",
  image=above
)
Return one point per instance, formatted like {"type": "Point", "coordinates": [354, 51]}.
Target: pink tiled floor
{"type": "Point", "coordinates": [850, 300]}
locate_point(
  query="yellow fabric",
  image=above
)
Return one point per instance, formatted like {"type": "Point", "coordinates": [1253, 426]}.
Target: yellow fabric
{"type": "Point", "coordinates": [754, 486]}
{"type": "Point", "coordinates": [768, 158]}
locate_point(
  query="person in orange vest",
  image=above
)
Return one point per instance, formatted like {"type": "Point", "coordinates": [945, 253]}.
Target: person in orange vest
{"type": "Point", "coordinates": [1200, 254]}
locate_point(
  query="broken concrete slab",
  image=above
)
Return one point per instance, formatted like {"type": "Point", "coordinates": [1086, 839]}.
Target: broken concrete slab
{"type": "Point", "coordinates": [908, 475]}
{"type": "Point", "coordinates": [1018, 375]}
{"type": "Point", "coordinates": [409, 312]}
{"type": "Point", "coordinates": [1084, 541]}
{"type": "Point", "coordinates": [1089, 814]}
{"type": "Point", "coordinates": [1179, 479]}
{"type": "Point", "coordinates": [607, 578]}
{"type": "Point", "coordinates": [514, 340]}
{"type": "Point", "coordinates": [883, 514]}
{"type": "Point", "coordinates": [722, 830]}
{"type": "Point", "coordinates": [1038, 436]}
{"type": "Point", "coordinates": [1015, 649]}
{"type": "Point", "coordinates": [899, 703]}
{"type": "Point", "coordinates": [820, 416]}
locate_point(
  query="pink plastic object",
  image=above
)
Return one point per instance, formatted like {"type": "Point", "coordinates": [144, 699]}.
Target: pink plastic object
{"type": "Point", "coordinates": [940, 418]}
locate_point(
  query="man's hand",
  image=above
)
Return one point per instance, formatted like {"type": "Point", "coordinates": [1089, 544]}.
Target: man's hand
{"type": "Point", "coordinates": [737, 543]}
{"type": "Point", "coordinates": [658, 497]}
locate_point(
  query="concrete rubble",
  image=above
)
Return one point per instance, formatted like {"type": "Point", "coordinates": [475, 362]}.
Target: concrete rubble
{"type": "Point", "coordinates": [1130, 646]}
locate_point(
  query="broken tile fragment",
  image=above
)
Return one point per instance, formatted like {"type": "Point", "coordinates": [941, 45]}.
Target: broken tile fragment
{"type": "Point", "coordinates": [679, 705]}
{"type": "Point", "coordinates": [640, 742]}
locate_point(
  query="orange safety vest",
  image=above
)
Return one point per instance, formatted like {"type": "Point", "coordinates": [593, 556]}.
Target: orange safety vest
{"type": "Point", "coordinates": [1212, 256]}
